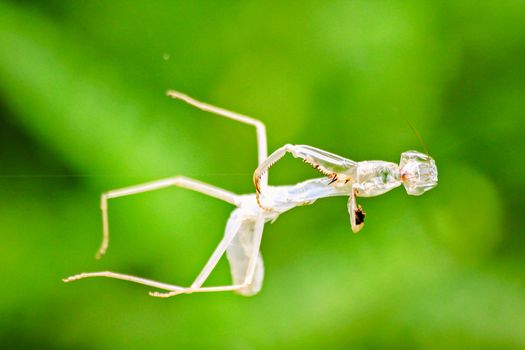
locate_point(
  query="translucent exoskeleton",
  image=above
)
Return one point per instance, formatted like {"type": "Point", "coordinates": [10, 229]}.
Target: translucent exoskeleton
{"type": "Point", "coordinates": [244, 229]}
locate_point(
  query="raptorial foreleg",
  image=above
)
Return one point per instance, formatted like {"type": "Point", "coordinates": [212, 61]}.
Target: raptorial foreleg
{"type": "Point", "coordinates": [339, 169]}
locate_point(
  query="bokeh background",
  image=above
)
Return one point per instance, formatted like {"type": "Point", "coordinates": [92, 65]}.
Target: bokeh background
{"type": "Point", "coordinates": [83, 110]}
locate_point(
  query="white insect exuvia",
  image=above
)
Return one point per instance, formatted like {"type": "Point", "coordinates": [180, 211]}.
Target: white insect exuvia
{"type": "Point", "coordinates": [244, 229]}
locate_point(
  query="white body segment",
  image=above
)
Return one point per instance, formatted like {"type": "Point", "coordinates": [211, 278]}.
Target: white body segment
{"type": "Point", "coordinates": [239, 253]}
{"type": "Point", "coordinates": [244, 229]}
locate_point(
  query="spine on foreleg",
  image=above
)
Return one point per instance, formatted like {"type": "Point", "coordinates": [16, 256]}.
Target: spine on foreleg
{"type": "Point", "coordinates": [239, 252]}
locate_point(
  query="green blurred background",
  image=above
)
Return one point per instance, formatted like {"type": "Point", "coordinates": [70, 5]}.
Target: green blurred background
{"type": "Point", "coordinates": [83, 110]}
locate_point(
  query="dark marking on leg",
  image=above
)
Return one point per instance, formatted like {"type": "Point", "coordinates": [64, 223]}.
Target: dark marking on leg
{"type": "Point", "coordinates": [359, 216]}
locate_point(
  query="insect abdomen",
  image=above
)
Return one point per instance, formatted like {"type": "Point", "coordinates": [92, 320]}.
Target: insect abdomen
{"type": "Point", "coordinates": [239, 252]}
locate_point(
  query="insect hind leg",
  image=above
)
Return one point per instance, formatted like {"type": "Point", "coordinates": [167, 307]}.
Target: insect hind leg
{"type": "Point", "coordinates": [242, 242]}
{"type": "Point", "coordinates": [168, 287]}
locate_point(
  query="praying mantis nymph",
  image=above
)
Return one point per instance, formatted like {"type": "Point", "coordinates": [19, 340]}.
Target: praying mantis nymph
{"type": "Point", "coordinates": [244, 229]}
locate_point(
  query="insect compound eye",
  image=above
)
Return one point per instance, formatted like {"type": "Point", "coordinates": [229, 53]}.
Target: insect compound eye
{"type": "Point", "coordinates": [419, 172]}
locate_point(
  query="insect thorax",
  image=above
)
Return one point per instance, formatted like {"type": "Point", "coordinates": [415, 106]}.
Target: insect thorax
{"type": "Point", "coordinates": [376, 177]}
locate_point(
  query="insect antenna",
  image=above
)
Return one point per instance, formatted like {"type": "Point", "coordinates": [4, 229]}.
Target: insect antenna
{"type": "Point", "coordinates": [418, 136]}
